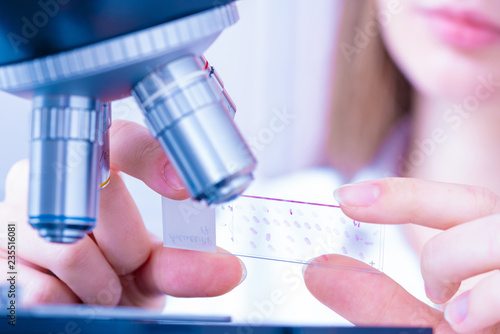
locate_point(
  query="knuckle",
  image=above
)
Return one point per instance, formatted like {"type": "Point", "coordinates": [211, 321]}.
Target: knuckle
{"type": "Point", "coordinates": [485, 200]}
{"type": "Point", "coordinates": [414, 196]}
{"type": "Point", "coordinates": [70, 258]}
{"type": "Point", "coordinates": [148, 149]}
{"type": "Point", "coordinates": [141, 147]}
{"type": "Point", "coordinates": [118, 127]}
{"type": "Point", "coordinates": [134, 260]}
{"type": "Point", "coordinates": [407, 192]}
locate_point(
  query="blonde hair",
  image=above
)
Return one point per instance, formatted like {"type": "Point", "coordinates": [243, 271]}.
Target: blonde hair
{"type": "Point", "coordinates": [369, 92]}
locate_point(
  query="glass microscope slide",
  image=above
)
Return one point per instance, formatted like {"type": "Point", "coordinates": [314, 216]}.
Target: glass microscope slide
{"type": "Point", "coordinates": [274, 229]}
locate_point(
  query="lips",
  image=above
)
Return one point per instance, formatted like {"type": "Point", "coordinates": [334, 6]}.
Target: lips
{"type": "Point", "coordinates": [462, 28]}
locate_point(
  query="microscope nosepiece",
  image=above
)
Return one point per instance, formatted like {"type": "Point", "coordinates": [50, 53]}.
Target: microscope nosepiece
{"type": "Point", "coordinates": [68, 70]}
{"type": "Point", "coordinates": [190, 113]}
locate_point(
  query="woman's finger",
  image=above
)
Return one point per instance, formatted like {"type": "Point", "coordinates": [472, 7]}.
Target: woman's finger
{"type": "Point", "coordinates": [459, 253]}
{"type": "Point", "coordinates": [81, 266]}
{"type": "Point", "coordinates": [16, 186]}
{"type": "Point", "coordinates": [136, 153]}
{"type": "Point", "coordinates": [120, 232]}
{"type": "Point", "coordinates": [39, 288]}
{"type": "Point", "coordinates": [427, 203]}
{"type": "Point", "coordinates": [366, 298]}
{"type": "Point", "coordinates": [477, 309]}
{"type": "Point", "coordinates": [185, 273]}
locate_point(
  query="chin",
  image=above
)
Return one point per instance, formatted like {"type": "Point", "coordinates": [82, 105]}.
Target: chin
{"type": "Point", "coordinates": [436, 66]}
{"type": "Point", "coordinates": [445, 74]}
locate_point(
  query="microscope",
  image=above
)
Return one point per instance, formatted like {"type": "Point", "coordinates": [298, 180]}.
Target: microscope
{"type": "Point", "coordinates": [72, 58]}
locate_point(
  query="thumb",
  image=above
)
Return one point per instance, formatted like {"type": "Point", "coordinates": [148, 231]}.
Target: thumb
{"type": "Point", "coordinates": [366, 298]}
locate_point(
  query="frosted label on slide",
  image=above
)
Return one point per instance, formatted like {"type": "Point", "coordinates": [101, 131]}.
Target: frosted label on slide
{"type": "Point", "coordinates": [189, 225]}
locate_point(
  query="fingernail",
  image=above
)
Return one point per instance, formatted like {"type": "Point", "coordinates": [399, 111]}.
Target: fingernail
{"type": "Point", "coordinates": [171, 177]}
{"type": "Point", "coordinates": [357, 194]}
{"type": "Point", "coordinates": [428, 292]}
{"type": "Point", "coordinates": [243, 271]}
{"type": "Point", "coordinates": [317, 260]}
{"type": "Point", "coordinates": [456, 311]}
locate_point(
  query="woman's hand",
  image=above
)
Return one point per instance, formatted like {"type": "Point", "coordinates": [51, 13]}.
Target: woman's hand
{"type": "Point", "coordinates": [468, 246]}
{"type": "Point", "coordinates": [120, 263]}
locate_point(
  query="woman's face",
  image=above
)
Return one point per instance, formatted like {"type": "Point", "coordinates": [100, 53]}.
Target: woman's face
{"type": "Point", "coordinates": [446, 48]}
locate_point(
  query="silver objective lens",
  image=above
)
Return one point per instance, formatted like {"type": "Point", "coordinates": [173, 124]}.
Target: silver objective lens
{"type": "Point", "coordinates": [188, 110]}
{"type": "Point", "coordinates": [69, 162]}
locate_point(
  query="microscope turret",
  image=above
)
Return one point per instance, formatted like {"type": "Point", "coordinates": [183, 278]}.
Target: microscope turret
{"type": "Point", "coordinates": [72, 58]}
